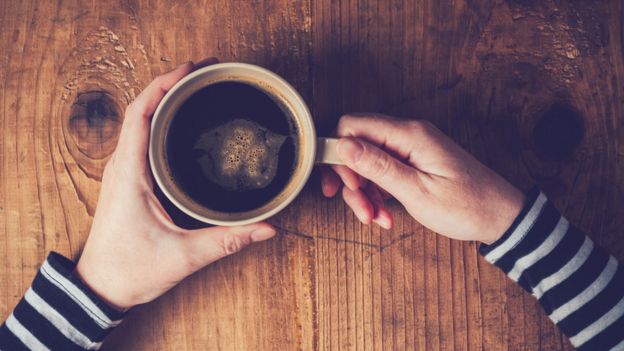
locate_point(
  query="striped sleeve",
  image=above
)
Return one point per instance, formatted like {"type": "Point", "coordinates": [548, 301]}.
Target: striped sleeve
{"type": "Point", "coordinates": [58, 312]}
{"type": "Point", "coordinates": [578, 284]}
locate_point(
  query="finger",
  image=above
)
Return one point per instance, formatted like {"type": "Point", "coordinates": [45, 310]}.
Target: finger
{"type": "Point", "coordinates": [384, 218]}
{"type": "Point", "coordinates": [330, 182]}
{"type": "Point", "coordinates": [381, 215]}
{"type": "Point", "coordinates": [205, 62]}
{"type": "Point", "coordinates": [376, 165]}
{"type": "Point", "coordinates": [145, 104]}
{"type": "Point", "coordinates": [350, 179]}
{"type": "Point", "coordinates": [403, 137]}
{"type": "Point", "coordinates": [134, 135]}
{"type": "Point", "coordinates": [210, 244]}
{"type": "Point", "coordinates": [359, 203]}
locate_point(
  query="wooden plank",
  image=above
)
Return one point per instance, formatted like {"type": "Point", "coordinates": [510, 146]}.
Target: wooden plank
{"type": "Point", "coordinates": [486, 72]}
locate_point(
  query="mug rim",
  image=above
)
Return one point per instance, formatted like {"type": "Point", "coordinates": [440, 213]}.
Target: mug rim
{"type": "Point", "coordinates": [287, 95]}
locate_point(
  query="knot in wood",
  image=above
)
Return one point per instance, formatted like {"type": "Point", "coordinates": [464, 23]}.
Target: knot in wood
{"type": "Point", "coordinates": [558, 133]}
{"type": "Point", "coordinates": [95, 119]}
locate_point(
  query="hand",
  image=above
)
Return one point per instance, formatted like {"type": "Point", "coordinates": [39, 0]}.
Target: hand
{"type": "Point", "coordinates": [441, 185]}
{"type": "Point", "coordinates": [135, 252]}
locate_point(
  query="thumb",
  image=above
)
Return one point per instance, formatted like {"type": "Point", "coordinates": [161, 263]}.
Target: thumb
{"type": "Point", "coordinates": [376, 165]}
{"type": "Point", "coordinates": [208, 245]}
{"type": "Point", "coordinates": [134, 135]}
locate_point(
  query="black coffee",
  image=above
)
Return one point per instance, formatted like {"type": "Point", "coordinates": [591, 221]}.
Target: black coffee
{"type": "Point", "coordinates": [209, 108]}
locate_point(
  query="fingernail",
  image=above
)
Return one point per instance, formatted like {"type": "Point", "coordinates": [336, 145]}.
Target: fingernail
{"type": "Point", "coordinates": [382, 222]}
{"type": "Point", "coordinates": [325, 189]}
{"type": "Point", "coordinates": [350, 150]}
{"type": "Point", "coordinates": [262, 234]}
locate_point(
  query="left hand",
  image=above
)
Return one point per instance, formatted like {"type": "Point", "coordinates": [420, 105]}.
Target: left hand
{"type": "Point", "coordinates": [135, 252]}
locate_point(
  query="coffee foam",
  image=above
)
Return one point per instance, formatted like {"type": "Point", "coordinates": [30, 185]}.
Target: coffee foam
{"type": "Point", "coordinates": [240, 155]}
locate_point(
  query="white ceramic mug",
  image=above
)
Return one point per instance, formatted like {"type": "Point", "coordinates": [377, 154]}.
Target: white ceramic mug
{"type": "Point", "coordinates": [311, 150]}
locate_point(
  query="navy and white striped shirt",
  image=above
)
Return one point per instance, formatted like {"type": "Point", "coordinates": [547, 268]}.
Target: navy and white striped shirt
{"type": "Point", "coordinates": [58, 312]}
{"type": "Point", "coordinates": [579, 285]}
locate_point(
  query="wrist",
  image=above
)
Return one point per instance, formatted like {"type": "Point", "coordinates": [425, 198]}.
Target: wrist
{"type": "Point", "coordinates": [507, 207]}
{"type": "Point", "coordinates": [100, 288]}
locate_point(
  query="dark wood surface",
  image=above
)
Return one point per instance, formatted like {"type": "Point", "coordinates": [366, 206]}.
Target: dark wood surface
{"type": "Point", "coordinates": [535, 89]}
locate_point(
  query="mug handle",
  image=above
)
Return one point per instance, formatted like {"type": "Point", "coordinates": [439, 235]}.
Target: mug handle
{"type": "Point", "coordinates": [326, 152]}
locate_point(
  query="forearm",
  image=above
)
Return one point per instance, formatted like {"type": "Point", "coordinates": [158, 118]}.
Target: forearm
{"type": "Point", "coordinates": [579, 285]}
{"type": "Point", "coordinates": [58, 312]}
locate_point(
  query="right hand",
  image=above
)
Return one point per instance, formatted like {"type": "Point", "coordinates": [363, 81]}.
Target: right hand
{"type": "Point", "coordinates": [440, 184]}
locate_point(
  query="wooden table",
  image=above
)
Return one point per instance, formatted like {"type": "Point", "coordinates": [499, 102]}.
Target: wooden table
{"type": "Point", "coordinates": [535, 89]}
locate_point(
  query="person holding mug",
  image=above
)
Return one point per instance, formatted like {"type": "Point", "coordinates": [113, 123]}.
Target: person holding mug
{"type": "Point", "coordinates": [135, 252]}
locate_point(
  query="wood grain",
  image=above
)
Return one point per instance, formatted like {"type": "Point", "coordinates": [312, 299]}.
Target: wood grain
{"type": "Point", "coordinates": [487, 72]}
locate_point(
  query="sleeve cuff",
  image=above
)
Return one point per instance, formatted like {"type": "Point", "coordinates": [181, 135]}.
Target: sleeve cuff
{"type": "Point", "coordinates": [534, 202]}
{"type": "Point", "coordinates": [59, 312]}
{"type": "Point", "coordinates": [65, 267]}
{"type": "Point", "coordinates": [578, 284]}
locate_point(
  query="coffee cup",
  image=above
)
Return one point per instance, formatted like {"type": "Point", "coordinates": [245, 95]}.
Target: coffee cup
{"type": "Point", "coordinates": [309, 150]}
